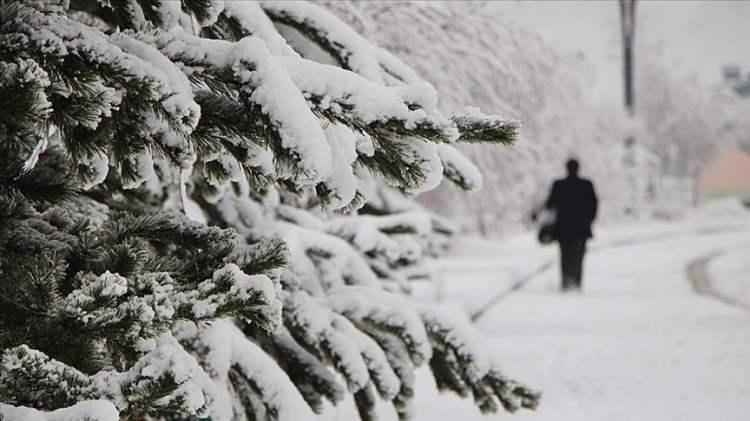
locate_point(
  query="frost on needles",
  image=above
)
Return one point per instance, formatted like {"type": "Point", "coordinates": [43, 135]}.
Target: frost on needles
{"type": "Point", "coordinates": [201, 220]}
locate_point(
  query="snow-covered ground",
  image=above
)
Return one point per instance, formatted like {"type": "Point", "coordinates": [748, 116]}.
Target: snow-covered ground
{"type": "Point", "coordinates": [730, 274]}
{"type": "Point", "coordinates": [638, 344]}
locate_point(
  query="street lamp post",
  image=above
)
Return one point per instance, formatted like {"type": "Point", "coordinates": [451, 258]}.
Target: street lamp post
{"type": "Point", "coordinates": [627, 23]}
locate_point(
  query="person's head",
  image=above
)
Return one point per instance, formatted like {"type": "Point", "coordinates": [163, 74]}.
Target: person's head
{"type": "Point", "coordinates": [572, 166]}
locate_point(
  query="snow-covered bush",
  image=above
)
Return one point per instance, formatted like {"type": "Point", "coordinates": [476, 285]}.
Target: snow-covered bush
{"type": "Point", "coordinates": [490, 61]}
{"type": "Point", "coordinates": [193, 219]}
{"type": "Point", "coordinates": [687, 125]}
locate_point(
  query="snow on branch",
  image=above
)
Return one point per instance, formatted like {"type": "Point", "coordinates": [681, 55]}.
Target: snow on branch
{"type": "Point", "coordinates": [23, 369]}
{"type": "Point", "coordinates": [389, 243]}
{"type": "Point", "coordinates": [232, 292]}
{"type": "Point", "coordinates": [164, 370]}
{"type": "Point", "coordinates": [108, 304]}
{"type": "Point", "coordinates": [313, 325]}
{"type": "Point", "coordinates": [368, 106]}
{"type": "Point", "coordinates": [241, 369]}
{"type": "Point", "coordinates": [262, 81]}
{"type": "Point", "coordinates": [117, 84]}
{"type": "Point", "coordinates": [281, 97]}
{"type": "Point", "coordinates": [460, 364]}
{"type": "Point", "coordinates": [459, 169]}
{"type": "Point", "coordinates": [244, 18]}
{"type": "Point", "coordinates": [355, 354]}
{"type": "Point", "coordinates": [388, 312]}
{"type": "Point", "coordinates": [477, 127]}
{"type": "Point", "coordinates": [351, 50]}
{"type": "Point", "coordinates": [371, 233]}
{"type": "Point", "coordinates": [312, 376]}
{"type": "Point", "coordinates": [137, 15]}
{"type": "Point", "coordinates": [90, 410]}
{"type": "Point", "coordinates": [324, 261]}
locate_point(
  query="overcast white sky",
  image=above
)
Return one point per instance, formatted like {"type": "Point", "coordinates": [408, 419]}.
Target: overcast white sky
{"type": "Point", "coordinates": [698, 37]}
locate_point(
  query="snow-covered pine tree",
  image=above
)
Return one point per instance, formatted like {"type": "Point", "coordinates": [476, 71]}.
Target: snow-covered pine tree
{"type": "Point", "coordinates": [194, 224]}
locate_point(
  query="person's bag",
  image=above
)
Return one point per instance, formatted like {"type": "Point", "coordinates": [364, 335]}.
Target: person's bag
{"type": "Point", "coordinates": [546, 233]}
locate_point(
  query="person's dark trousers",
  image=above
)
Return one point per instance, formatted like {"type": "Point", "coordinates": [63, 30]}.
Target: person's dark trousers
{"type": "Point", "coordinates": [571, 263]}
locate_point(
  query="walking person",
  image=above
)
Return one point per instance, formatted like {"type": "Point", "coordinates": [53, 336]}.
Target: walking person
{"type": "Point", "coordinates": [575, 203]}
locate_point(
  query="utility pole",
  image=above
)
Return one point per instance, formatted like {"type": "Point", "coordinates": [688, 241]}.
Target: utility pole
{"type": "Point", "coordinates": [627, 24]}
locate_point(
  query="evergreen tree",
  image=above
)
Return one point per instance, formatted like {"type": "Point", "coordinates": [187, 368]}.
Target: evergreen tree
{"type": "Point", "coordinates": [194, 223]}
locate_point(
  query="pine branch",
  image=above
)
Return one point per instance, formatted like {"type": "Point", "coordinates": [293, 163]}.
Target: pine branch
{"type": "Point", "coordinates": [48, 182]}
{"type": "Point", "coordinates": [29, 378]}
{"type": "Point", "coordinates": [311, 31]}
{"type": "Point", "coordinates": [465, 370]}
{"type": "Point", "coordinates": [475, 127]}
{"type": "Point", "coordinates": [311, 376]}
{"type": "Point", "coordinates": [226, 28]}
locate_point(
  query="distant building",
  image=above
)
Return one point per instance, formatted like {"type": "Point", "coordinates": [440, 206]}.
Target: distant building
{"type": "Point", "coordinates": [727, 175]}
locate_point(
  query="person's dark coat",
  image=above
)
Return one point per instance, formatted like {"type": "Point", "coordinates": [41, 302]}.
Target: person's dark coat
{"type": "Point", "coordinates": [575, 203]}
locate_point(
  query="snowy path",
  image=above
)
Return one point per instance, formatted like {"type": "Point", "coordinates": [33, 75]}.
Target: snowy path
{"type": "Point", "coordinates": [700, 279]}
{"type": "Point", "coordinates": [639, 344]}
